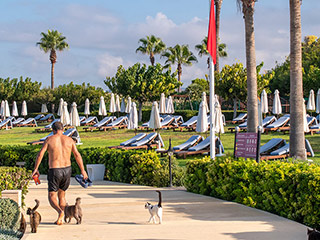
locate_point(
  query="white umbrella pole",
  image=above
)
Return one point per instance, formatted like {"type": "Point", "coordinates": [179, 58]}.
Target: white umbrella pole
{"type": "Point", "coordinates": [212, 110]}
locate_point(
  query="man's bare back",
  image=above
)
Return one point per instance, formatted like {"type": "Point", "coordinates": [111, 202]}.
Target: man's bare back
{"type": "Point", "coordinates": [59, 148]}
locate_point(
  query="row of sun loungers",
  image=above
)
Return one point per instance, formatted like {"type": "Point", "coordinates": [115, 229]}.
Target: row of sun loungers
{"type": "Point", "coordinates": [194, 145]}
{"type": "Point", "coordinates": [271, 124]}
{"type": "Point", "coordinates": [142, 141]}
{"type": "Point", "coordinates": [44, 118]}
{"type": "Point", "coordinates": [277, 148]}
{"type": "Point", "coordinates": [167, 122]}
{"type": "Point", "coordinates": [71, 132]}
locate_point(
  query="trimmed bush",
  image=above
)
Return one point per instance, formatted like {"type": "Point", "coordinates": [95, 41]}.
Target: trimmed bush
{"type": "Point", "coordinates": [9, 212]}
{"type": "Point", "coordinates": [289, 189]}
{"type": "Point", "coordinates": [14, 178]}
{"type": "Point", "coordinates": [9, 221]}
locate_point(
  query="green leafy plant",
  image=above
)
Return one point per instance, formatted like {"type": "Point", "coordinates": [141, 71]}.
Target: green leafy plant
{"type": "Point", "coordinates": [289, 189]}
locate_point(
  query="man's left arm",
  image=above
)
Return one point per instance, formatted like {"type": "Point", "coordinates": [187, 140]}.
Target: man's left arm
{"type": "Point", "coordinates": [39, 158]}
{"type": "Point", "coordinates": [79, 160]}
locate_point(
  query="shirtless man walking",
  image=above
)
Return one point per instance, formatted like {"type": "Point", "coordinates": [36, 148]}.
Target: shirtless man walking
{"type": "Point", "coordinates": [59, 149]}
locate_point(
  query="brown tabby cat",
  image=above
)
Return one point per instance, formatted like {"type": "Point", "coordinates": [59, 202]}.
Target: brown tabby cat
{"type": "Point", "coordinates": [35, 217]}
{"type": "Point", "coordinates": [73, 211]}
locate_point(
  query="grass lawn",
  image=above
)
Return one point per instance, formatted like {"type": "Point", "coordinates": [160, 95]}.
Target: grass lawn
{"type": "Point", "coordinates": [20, 136]}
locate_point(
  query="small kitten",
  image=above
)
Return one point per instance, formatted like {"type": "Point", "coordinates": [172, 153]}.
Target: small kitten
{"type": "Point", "coordinates": [35, 217]}
{"type": "Point", "coordinates": [73, 211]}
{"type": "Point", "coordinates": [313, 234]}
{"type": "Point", "coordinates": [155, 210]}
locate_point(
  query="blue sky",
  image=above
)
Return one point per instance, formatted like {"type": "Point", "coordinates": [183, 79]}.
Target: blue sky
{"type": "Point", "coordinates": [103, 34]}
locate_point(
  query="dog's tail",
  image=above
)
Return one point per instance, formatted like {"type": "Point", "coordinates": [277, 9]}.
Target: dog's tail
{"type": "Point", "coordinates": [160, 199]}
{"type": "Point", "coordinates": [36, 206]}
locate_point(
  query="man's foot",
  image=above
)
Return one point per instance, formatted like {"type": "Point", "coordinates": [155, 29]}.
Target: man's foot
{"type": "Point", "coordinates": [60, 219]}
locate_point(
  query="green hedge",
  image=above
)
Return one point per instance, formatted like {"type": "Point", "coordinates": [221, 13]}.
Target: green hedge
{"type": "Point", "coordinates": [289, 189]}
{"type": "Point", "coordinates": [133, 166]}
{"type": "Point", "coordinates": [12, 178]}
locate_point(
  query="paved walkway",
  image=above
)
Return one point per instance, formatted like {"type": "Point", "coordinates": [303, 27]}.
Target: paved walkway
{"type": "Point", "coordinates": [116, 211]}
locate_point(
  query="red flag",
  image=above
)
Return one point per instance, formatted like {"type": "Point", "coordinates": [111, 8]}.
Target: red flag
{"type": "Point", "coordinates": [211, 44]}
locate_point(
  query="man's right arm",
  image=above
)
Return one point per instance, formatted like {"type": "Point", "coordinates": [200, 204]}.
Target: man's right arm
{"type": "Point", "coordinates": [79, 160]}
{"type": "Point", "coordinates": [39, 157]}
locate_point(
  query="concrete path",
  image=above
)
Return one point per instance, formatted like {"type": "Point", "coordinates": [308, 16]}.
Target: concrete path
{"type": "Point", "coordinates": [116, 211]}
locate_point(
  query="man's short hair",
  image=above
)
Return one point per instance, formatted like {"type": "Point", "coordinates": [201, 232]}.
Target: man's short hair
{"type": "Point", "coordinates": [57, 126]}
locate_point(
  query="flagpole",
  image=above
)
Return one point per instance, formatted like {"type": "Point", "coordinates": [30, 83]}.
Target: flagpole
{"type": "Point", "coordinates": [212, 109]}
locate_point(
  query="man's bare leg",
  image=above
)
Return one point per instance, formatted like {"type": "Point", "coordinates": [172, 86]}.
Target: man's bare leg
{"type": "Point", "coordinates": [62, 199]}
{"type": "Point", "coordinates": [53, 199]}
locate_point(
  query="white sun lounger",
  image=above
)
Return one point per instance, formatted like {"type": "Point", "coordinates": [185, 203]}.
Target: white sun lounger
{"type": "Point", "coordinates": [19, 120]}
{"type": "Point", "coordinates": [266, 121]}
{"type": "Point", "coordinates": [240, 118]}
{"type": "Point", "coordinates": [151, 140]}
{"type": "Point", "coordinates": [283, 152]}
{"type": "Point", "coordinates": [134, 139]}
{"type": "Point", "coordinates": [104, 122]}
{"type": "Point", "coordinates": [272, 145]}
{"type": "Point", "coordinates": [189, 125]}
{"type": "Point", "coordinates": [48, 117]}
{"type": "Point", "coordinates": [38, 117]}
{"type": "Point", "coordinates": [121, 122]}
{"type": "Point", "coordinates": [280, 123]}
{"type": "Point", "coordinates": [189, 143]}
{"type": "Point", "coordinates": [82, 118]}
{"type": "Point", "coordinates": [6, 123]}
{"type": "Point", "coordinates": [30, 122]}
{"type": "Point", "coordinates": [200, 148]}
{"type": "Point", "coordinates": [89, 121]}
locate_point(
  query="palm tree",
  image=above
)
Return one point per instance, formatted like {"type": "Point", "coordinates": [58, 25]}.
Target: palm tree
{"type": "Point", "coordinates": [297, 145]}
{"type": "Point", "coordinates": [247, 7]}
{"type": "Point", "coordinates": [180, 55]}
{"type": "Point", "coordinates": [151, 45]}
{"type": "Point", "coordinates": [218, 4]}
{"type": "Point", "coordinates": [202, 50]}
{"type": "Point", "coordinates": [52, 41]}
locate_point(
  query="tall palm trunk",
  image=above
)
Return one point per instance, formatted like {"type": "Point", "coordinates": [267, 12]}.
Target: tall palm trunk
{"type": "Point", "coordinates": [252, 100]}
{"type": "Point", "coordinates": [218, 4]}
{"type": "Point", "coordinates": [152, 58]}
{"type": "Point", "coordinates": [179, 76]}
{"type": "Point", "coordinates": [53, 59]}
{"type": "Point", "coordinates": [297, 145]}
{"type": "Point", "coordinates": [140, 111]}
{"type": "Point", "coordinates": [52, 75]}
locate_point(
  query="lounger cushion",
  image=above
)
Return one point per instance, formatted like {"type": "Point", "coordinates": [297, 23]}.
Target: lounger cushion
{"type": "Point", "coordinates": [191, 141]}
{"type": "Point", "coordinates": [145, 140]}
{"type": "Point", "coordinates": [19, 120]}
{"type": "Point", "coordinates": [134, 139]}
{"type": "Point", "coordinates": [118, 121]}
{"type": "Point", "coordinates": [202, 145]}
{"type": "Point", "coordinates": [38, 116]}
{"type": "Point", "coordinates": [190, 122]}
{"type": "Point", "coordinates": [280, 122]}
{"type": "Point", "coordinates": [309, 148]}
{"type": "Point", "coordinates": [271, 145]}
{"type": "Point", "coordinates": [315, 126]}
{"type": "Point", "coordinates": [240, 117]}
{"type": "Point", "coordinates": [103, 122]}
{"type": "Point", "coordinates": [281, 151]}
